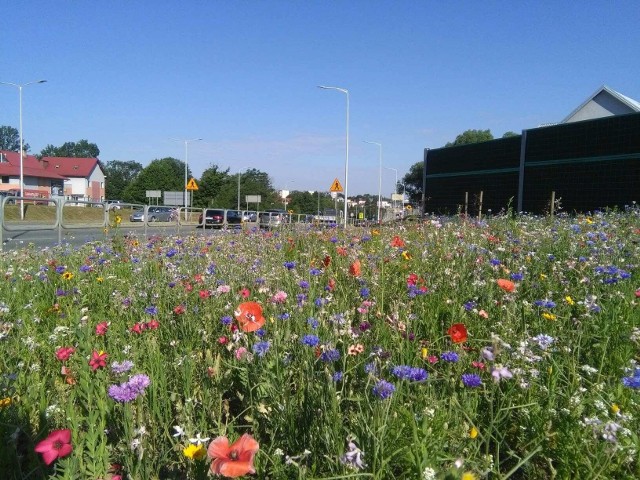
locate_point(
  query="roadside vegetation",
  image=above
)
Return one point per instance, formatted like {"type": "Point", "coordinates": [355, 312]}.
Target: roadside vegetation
{"type": "Point", "coordinates": [450, 348]}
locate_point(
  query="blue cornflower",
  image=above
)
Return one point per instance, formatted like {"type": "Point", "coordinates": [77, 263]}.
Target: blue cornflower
{"type": "Point", "coordinates": [517, 276]}
{"type": "Point", "coordinates": [312, 322]}
{"type": "Point", "coordinates": [315, 272]}
{"type": "Point", "coordinates": [405, 372]}
{"type": "Point", "coordinates": [303, 284]}
{"type": "Point", "coordinates": [470, 305]}
{"type": "Point", "coordinates": [337, 377]}
{"type": "Point", "coordinates": [172, 252]}
{"type": "Point", "coordinates": [383, 389]}
{"type": "Point", "coordinates": [310, 340]}
{"type": "Point", "coordinates": [261, 348]}
{"type": "Point", "coordinates": [60, 269]}
{"type": "Point", "coordinates": [290, 265]}
{"type": "Point", "coordinates": [370, 368]}
{"type": "Point", "coordinates": [86, 268]}
{"type": "Point", "coordinates": [632, 382]}
{"type": "Point", "coordinates": [495, 262]}
{"type": "Point", "coordinates": [260, 333]}
{"type": "Point", "coordinates": [543, 340]}
{"type": "Point", "coordinates": [364, 292]}
{"type": "Point", "coordinates": [450, 357]}
{"type": "Point", "coordinates": [544, 304]}
{"type": "Point", "coordinates": [330, 355]}
{"type": "Point", "coordinates": [226, 320]}
{"type": "Point", "coordinates": [284, 316]}
{"type": "Point", "coordinates": [471, 380]}
{"type": "Point", "coordinates": [151, 310]}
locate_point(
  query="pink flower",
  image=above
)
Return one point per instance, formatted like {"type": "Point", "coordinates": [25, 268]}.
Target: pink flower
{"type": "Point", "coordinates": [240, 353]}
{"type": "Point", "coordinates": [179, 310]}
{"type": "Point", "coordinates": [98, 360]}
{"type": "Point", "coordinates": [234, 460]}
{"type": "Point", "coordinates": [56, 445]}
{"type": "Point", "coordinates": [279, 297]}
{"type": "Point", "coordinates": [223, 289]}
{"type": "Point", "coordinates": [638, 293]}
{"type": "Point", "coordinates": [483, 314]}
{"type": "Point", "coordinates": [101, 328]}
{"type": "Point", "coordinates": [152, 325]}
{"type": "Point", "coordinates": [63, 353]}
{"type": "Point", "coordinates": [245, 292]}
{"type": "Point", "coordinates": [138, 328]}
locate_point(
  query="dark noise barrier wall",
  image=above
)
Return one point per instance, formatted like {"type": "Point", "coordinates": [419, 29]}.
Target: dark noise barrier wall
{"type": "Point", "coordinates": [589, 165]}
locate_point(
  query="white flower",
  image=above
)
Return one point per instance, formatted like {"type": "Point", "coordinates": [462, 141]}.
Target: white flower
{"type": "Point", "coordinates": [179, 431]}
{"type": "Point", "coordinates": [198, 439]}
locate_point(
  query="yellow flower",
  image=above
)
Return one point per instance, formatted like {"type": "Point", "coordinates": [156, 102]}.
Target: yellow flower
{"type": "Point", "coordinates": [569, 300]}
{"type": "Point", "coordinates": [406, 255]}
{"type": "Point", "coordinates": [589, 220]}
{"type": "Point", "coordinates": [99, 279]}
{"type": "Point", "coordinates": [375, 232]}
{"type": "Point", "coordinates": [473, 433]}
{"type": "Point", "coordinates": [542, 276]}
{"type": "Point", "coordinates": [615, 408]}
{"type": "Point", "coordinates": [5, 402]}
{"type": "Point", "coordinates": [195, 452]}
{"type": "Point", "coordinates": [67, 275]}
{"type": "Point", "coordinates": [468, 476]}
{"type": "Point", "coordinates": [118, 219]}
{"type": "Point", "coordinates": [424, 353]}
{"type": "Point", "coordinates": [549, 316]}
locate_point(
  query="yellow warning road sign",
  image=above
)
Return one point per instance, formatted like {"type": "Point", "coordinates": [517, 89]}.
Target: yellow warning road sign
{"type": "Point", "coordinates": [192, 185]}
{"type": "Point", "coordinates": [335, 186]}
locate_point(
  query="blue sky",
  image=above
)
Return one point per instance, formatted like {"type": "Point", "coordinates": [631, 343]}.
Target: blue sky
{"type": "Point", "coordinates": [243, 75]}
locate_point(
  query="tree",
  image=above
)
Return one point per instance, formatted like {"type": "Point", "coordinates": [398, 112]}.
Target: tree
{"type": "Point", "coordinates": [79, 149]}
{"type": "Point", "coordinates": [413, 182]}
{"type": "Point", "coordinates": [510, 134]}
{"type": "Point", "coordinates": [252, 182]}
{"type": "Point", "coordinates": [166, 174]}
{"type": "Point", "coordinates": [209, 186]}
{"type": "Point", "coordinates": [10, 139]}
{"type": "Point", "coordinates": [471, 136]}
{"type": "Point", "coordinates": [119, 175]}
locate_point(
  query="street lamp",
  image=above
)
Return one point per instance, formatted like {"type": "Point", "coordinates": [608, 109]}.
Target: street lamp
{"type": "Point", "coordinates": [19, 87]}
{"type": "Point", "coordinates": [395, 185]}
{"type": "Point", "coordinates": [186, 165]}
{"type": "Point", "coordinates": [239, 172]}
{"type": "Point", "coordinates": [379, 175]}
{"type": "Point", "coordinates": [346, 163]}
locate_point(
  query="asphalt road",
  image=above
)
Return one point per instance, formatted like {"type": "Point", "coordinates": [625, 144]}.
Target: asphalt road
{"type": "Point", "coordinates": [15, 239]}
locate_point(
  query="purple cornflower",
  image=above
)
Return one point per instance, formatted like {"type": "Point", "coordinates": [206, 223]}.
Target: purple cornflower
{"type": "Point", "coordinates": [312, 322]}
{"type": "Point", "coordinates": [330, 355]}
{"type": "Point", "coordinates": [310, 340]}
{"type": "Point", "coordinates": [337, 377]}
{"type": "Point", "coordinates": [303, 284]}
{"type": "Point", "coordinates": [131, 389]}
{"type": "Point", "coordinates": [383, 389]}
{"type": "Point", "coordinates": [471, 380]}
{"type": "Point", "coordinates": [151, 310]}
{"type": "Point", "coordinates": [261, 348]}
{"type": "Point", "coordinates": [450, 357]}
{"type": "Point", "coordinates": [414, 374]}
{"type": "Point", "coordinates": [121, 367]}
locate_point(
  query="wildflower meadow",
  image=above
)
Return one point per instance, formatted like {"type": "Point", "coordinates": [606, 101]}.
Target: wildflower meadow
{"type": "Point", "coordinates": [447, 348]}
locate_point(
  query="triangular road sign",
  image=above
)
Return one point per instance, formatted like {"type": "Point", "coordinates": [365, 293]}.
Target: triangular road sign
{"type": "Point", "coordinates": [335, 186]}
{"type": "Point", "coordinates": [192, 185]}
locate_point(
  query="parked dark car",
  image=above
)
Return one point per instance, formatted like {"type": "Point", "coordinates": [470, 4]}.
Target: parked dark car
{"type": "Point", "coordinates": [219, 218]}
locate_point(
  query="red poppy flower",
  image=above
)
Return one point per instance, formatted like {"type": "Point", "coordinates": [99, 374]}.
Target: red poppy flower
{"type": "Point", "coordinates": [56, 445]}
{"type": "Point", "coordinates": [458, 333]}
{"type": "Point", "coordinates": [204, 294]}
{"type": "Point", "coordinates": [235, 460]}
{"type": "Point", "coordinates": [396, 241]}
{"type": "Point", "coordinates": [249, 316]}
{"type": "Point", "coordinates": [355, 269]}
{"type": "Point", "coordinates": [341, 251]}
{"type": "Point", "coordinates": [506, 285]}
{"type": "Point", "coordinates": [179, 309]}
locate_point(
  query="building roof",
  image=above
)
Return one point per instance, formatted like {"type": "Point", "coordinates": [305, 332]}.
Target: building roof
{"type": "Point", "coordinates": [605, 101]}
{"type": "Point", "coordinates": [31, 166]}
{"type": "Point", "coordinates": [46, 167]}
{"type": "Point", "coordinates": [71, 166]}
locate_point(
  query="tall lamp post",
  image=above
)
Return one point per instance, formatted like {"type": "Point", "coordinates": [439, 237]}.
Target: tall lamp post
{"type": "Point", "coordinates": [239, 173]}
{"type": "Point", "coordinates": [395, 185]}
{"type": "Point", "coordinates": [21, 153]}
{"type": "Point", "coordinates": [379, 175]}
{"type": "Point", "coordinates": [346, 163]}
{"type": "Point", "coordinates": [186, 166]}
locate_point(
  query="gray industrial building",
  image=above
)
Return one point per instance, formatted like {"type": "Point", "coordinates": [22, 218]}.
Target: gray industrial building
{"type": "Point", "coordinates": [589, 160]}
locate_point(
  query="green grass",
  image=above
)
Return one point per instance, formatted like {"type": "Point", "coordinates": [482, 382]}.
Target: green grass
{"type": "Point", "coordinates": [568, 335]}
